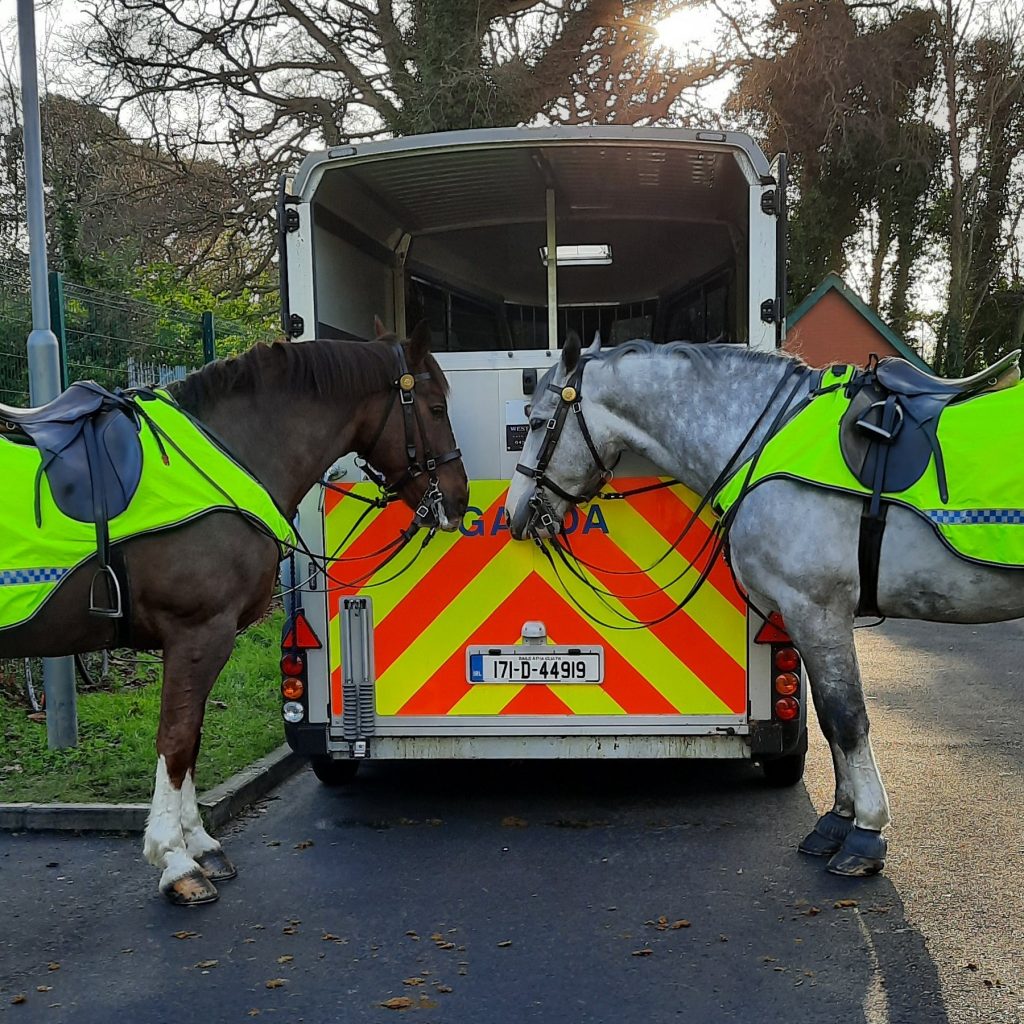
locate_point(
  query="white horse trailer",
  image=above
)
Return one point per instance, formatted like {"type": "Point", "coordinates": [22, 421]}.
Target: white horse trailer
{"type": "Point", "coordinates": [657, 233]}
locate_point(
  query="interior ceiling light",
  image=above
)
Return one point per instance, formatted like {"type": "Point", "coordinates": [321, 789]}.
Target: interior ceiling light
{"type": "Point", "coordinates": [579, 255]}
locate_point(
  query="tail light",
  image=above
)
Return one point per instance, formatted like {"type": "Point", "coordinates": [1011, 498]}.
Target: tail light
{"type": "Point", "coordinates": [292, 688]}
{"type": "Point", "coordinates": [787, 708]}
{"type": "Point", "coordinates": [292, 664]}
{"type": "Point", "coordinates": [786, 659]}
{"type": "Point", "coordinates": [787, 683]}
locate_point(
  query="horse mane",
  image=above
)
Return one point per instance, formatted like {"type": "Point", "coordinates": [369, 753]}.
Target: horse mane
{"type": "Point", "coordinates": [706, 351]}
{"type": "Point", "coordinates": [341, 371]}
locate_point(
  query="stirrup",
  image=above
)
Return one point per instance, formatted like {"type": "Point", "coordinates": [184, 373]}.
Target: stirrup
{"type": "Point", "coordinates": [117, 611]}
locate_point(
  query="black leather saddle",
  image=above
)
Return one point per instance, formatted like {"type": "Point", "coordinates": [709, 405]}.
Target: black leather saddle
{"type": "Point", "coordinates": [889, 433]}
{"type": "Point", "coordinates": [88, 439]}
{"type": "Point", "coordinates": [889, 437]}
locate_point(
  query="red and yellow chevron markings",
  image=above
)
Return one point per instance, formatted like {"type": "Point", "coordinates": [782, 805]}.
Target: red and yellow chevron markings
{"type": "Point", "coordinates": [478, 587]}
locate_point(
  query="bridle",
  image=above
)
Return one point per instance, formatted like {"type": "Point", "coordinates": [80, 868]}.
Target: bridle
{"type": "Point", "coordinates": [570, 399]}
{"type": "Point", "coordinates": [403, 388]}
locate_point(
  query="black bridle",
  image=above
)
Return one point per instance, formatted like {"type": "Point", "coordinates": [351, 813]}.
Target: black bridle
{"type": "Point", "coordinates": [403, 389]}
{"type": "Point", "coordinates": [570, 399]}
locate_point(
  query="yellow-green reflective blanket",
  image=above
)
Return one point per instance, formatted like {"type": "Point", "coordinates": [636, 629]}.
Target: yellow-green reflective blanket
{"type": "Point", "coordinates": [982, 440]}
{"type": "Point", "coordinates": [35, 559]}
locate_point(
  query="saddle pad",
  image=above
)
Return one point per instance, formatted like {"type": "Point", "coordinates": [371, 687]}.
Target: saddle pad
{"type": "Point", "coordinates": [981, 440]}
{"type": "Point", "coordinates": [34, 560]}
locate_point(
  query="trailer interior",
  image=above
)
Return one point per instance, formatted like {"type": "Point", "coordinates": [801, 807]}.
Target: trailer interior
{"type": "Point", "coordinates": [652, 242]}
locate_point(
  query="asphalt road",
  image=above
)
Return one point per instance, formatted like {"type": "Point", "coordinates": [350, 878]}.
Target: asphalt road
{"type": "Point", "coordinates": [535, 892]}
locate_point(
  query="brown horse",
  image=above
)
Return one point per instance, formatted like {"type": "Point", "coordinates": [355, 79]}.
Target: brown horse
{"type": "Point", "coordinates": [286, 412]}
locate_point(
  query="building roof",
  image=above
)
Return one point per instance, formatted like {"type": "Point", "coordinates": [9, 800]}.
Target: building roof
{"type": "Point", "coordinates": [833, 282]}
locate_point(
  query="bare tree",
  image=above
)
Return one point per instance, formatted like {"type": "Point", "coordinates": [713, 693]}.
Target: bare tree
{"type": "Point", "coordinates": [982, 58]}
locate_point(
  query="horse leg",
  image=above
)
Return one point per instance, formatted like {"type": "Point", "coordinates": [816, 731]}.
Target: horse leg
{"type": "Point", "coordinates": [851, 833]}
{"type": "Point", "coordinates": [192, 662]}
{"type": "Point", "coordinates": [199, 844]}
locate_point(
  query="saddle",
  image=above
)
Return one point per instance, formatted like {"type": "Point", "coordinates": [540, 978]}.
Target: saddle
{"type": "Point", "coordinates": [889, 437]}
{"type": "Point", "coordinates": [88, 441]}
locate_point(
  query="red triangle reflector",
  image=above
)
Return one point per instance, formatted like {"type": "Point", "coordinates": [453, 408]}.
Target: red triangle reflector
{"type": "Point", "coordinates": [299, 635]}
{"type": "Point", "coordinates": [773, 631]}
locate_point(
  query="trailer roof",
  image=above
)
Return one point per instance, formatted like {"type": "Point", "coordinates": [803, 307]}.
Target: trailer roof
{"type": "Point", "coordinates": [450, 180]}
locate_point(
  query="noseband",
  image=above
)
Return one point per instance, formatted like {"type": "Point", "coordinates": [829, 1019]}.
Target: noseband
{"type": "Point", "coordinates": [570, 395]}
{"type": "Point", "coordinates": [403, 388]}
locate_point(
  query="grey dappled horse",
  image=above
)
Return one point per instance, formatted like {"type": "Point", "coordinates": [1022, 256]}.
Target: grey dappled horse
{"type": "Point", "coordinates": [687, 408]}
{"type": "Point", "coordinates": [286, 412]}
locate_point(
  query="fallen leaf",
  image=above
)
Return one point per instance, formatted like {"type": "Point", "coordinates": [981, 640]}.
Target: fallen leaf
{"type": "Point", "coordinates": [844, 904]}
{"type": "Point", "coordinates": [37, 716]}
{"type": "Point", "coordinates": [451, 945]}
{"type": "Point", "coordinates": [513, 822]}
{"type": "Point", "coordinates": [274, 842]}
{"type": "Point", "coordinates": [437, 937]}
{"type": "Point", "coordinates": [768, 959]}
{"type": "Point", "coordinates": [442, 988]}
{"type": "Point", "coordinates": [398, 1003]}
{"type": "Point", "coordinates": [642, 952]}
{"type": "Point", "coordinates": [54, 966]}
{"type": "Point", "coordinates": [185, 935]}
{"type": "Point", "coordinates": [248, 940]}
{"type": "Point", "coordinates": [723, 938]}
{"type": "Point", "coordinates": [254, 1012]}
{"type": "Point", "coordinates": [328, 937]}
{"type": "Point", "coordinates": [286, 959]}
{"type": "Point", "coordinates": [781, 970]}
{"type": "Point", "coordinates": [811, 911]}
{"type": "Point", "coordinates": [304, 845]}
{"type": "Point", "coordinates": [206, 964]}
{"type": "Point", "coordinates": [128, 950]}
{"type": "Point", "coordinates": [413, 981]}
{"type": "Point", "coordinates": [289, 930]}
{"type": "Point", "coordinates": [676, 925]}
{"type": "Point", "coordinates": [276, 983]}
{"type": "Point", "coordinates": [222, 705]}
{"type": "Point", "coordinates": [879, 909]}
{"type": "Point", "coordinates": [19, 999]}
{"type": "Point", "coordinates": [972, 967]}
{"type": "Point", "coordinates": [504, 943]}
{"type": "Point", "coordinates": [295, 920]}
{"type": "Point", "coordinates": [44, 988]}
{"type": "Point", "coordinates": [412, 935]}
{"type": "Point", "coordinates": [434, 822]}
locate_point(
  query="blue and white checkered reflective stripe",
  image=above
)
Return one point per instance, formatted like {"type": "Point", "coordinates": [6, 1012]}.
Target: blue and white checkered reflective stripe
{"type": "Point", "coordinates": [18, 577]}
{"type": "Point", "coordinates": [950, 517]}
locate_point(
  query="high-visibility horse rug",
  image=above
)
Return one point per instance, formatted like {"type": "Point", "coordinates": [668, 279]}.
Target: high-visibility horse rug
{"type": "Point", "coordinates": [981, 514]}
{"type": "Point", "coordinates": [185, 475]}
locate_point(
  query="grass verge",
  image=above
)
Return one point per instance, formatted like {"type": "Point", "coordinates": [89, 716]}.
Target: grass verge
{"type": "Point", "coordinates": [115, 759]}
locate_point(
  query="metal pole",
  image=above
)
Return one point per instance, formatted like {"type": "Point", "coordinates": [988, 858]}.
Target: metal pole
{"type": "Point", "coordinates": [549, 202]}
{"type": "Point", "coordinates": [43, 351]}
{"type": "Point", "coordinates": [209, 339]}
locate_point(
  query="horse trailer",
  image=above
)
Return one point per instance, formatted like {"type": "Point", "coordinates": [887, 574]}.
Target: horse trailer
{"type": "Point", "coordinates": [475, 645]}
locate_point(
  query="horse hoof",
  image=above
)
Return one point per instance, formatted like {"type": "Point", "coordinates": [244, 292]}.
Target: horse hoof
{"type": "Point", "coordinates": [862, 854]}
{"type": "Point", "coordinates": [828, 836]}
{"type": "Point", "coordinates": [216, 866]}
{"type": "Point", "coordinates": [191, 890]}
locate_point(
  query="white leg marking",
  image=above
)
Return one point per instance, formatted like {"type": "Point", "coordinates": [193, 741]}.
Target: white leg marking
{"type": "Point", "coordinates": [197, 840]}
{"type": "Point", "coordinates": [164, 843]}
{"type": "Point", "coordinates": [870, 800]}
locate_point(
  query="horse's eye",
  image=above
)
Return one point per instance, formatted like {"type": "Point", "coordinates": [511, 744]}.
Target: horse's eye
{"type": "Point", "coordinates": [437, 411]}
{"type": "Point", "coordinates": [536, 422]}
{"type": "Point", "coordinates": [528, 410]}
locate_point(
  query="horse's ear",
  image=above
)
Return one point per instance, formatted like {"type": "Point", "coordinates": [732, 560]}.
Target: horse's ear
{"type": "Point", "coordinates": [595, 345]}
{"type": "Point", "coordinates": [379, 330]}
{"type": "Point", "coordinates": [571, 351]}
{"type": "Point", "coordinates": [419, 343]}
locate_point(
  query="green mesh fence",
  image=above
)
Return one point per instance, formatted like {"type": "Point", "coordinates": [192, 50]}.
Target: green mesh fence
{"type": "Point", "coordinates": [15, 324]}
{"type": "Point", "coordinates": [109, 338]}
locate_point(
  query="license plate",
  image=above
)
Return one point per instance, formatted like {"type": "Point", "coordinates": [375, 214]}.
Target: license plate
{"type": "Point", "coordinates": [521, 665]}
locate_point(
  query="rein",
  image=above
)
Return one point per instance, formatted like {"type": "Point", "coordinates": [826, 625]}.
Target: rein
{"type": "Point", "coordinates": [543, 514]}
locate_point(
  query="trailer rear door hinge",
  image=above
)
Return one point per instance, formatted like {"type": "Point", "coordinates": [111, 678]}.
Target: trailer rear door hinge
{"type": "Point", "coordinates": [768, 311]}
{"type": "Point", "coordinates": [769, 202]}
{"type": "Point", "coordinates": [291, 218]}
{"type": "Point", "coordinates": [297, 326]}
